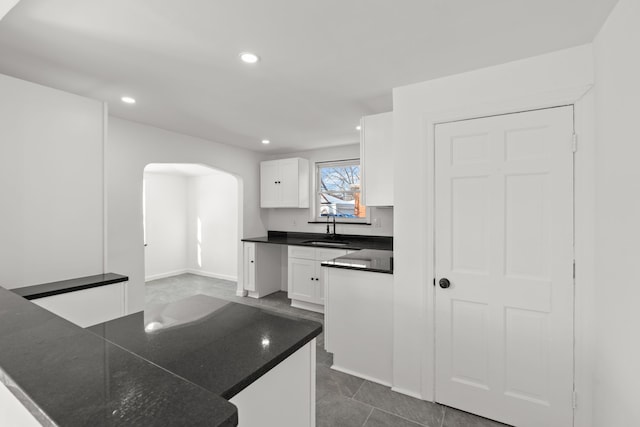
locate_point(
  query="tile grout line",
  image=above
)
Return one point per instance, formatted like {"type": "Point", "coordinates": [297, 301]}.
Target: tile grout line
{"type": "Point", "coordinates": [383, 410]}
{"type": "Point", "coordinates": [444, 412]}
{"type": "Point", "coordinates": [404, 418]}
{"type": "Point", "coordinates": [359, 388]}
{"type": "Point", "coordinates": [368, 416]}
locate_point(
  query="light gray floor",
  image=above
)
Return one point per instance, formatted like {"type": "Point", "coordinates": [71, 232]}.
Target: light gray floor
{"type": "Point", "coordinates": [341, 400]}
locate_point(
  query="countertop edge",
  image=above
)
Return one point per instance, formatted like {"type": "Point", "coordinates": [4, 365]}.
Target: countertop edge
{"type": "Point", "coordinates": [70, 285]}
{"type": "Point", "coordinates": [347, 267]}
{"type": "Point", "coordinates": [357, 241]}
{"type": "Point", "coordinates": [36, 411]}
{"type": "Point", "coordinates": [371, 260]}
{"type": "Point", "coordinates": [230, 393]}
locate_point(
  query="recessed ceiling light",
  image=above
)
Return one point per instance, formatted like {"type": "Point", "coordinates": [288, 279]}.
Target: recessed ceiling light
{"type": "Point", "coordinates": [265, 141]}
{"type": "Point", "coordinates": [249, 58]}
{"type": "Point", "coordinates": [128, 100]}
{"type": "Point", "coordinates": [358, 127]}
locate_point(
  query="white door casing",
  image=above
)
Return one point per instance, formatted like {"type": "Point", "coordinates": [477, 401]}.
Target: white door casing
{"type": "Point", "coordinates": [504, 240]}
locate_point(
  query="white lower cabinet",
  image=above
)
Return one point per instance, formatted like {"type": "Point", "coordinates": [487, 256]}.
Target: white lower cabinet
{"type": "Point", "coordinates": [261, 269]}
{"type": "Point", "coordinates": [88, 306]}
{"type": "Point", "coordinates": [358, 323]}
{"type": "Point", "coordinates": [293, 383]}
{"type": "Point", "coordinates": [305, 279]}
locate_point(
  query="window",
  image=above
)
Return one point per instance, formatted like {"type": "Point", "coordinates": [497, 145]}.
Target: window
{"type": "Point", "coordinates": [338, 191]}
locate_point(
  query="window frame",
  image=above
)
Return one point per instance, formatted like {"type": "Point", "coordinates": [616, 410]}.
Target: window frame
{"type": "Point", "coordinates": [317, 217]}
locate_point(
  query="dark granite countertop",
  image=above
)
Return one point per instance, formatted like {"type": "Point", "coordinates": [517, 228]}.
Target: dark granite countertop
{"type": "Point", "coordinates": [176, 365]}
{"type": "Point", "coordinates": [354, 241]}
{"type": "Point", "coordinates": [365, 260]}
{"type": "Point", "coordinates": [71, 285]}
{"type": "Point", "coordinates": [220, 346]}
{"type": "Point", "coordinates": [67, 376]}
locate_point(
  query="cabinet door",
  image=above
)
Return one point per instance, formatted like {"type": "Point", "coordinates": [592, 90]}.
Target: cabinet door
{"type": "Point", "coordinates": [269, 187]}
{"type": "Point", "coordinates": [319, 296]}
{"type": "Point", "coordinates": [376, 159]}
{"type": "Point", "coordinates": [288, 183]}
{"type": "Point", "coordinates": [302, 279]}
{"type": "Point", "coordinates": [249, 264]}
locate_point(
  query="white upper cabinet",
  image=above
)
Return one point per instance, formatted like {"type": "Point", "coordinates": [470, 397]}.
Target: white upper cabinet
{"type": "Point", "coordinates": [284, 183]}
{"type": "Point", "coordinates": [376, 159]}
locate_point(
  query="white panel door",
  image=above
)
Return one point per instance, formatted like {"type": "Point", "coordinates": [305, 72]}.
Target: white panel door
{"type": "Point", "coordinates": [504, 241]}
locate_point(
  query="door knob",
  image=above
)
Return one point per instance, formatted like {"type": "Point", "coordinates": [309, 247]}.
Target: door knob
{"type": "Point", "coordinates": [444, 283]}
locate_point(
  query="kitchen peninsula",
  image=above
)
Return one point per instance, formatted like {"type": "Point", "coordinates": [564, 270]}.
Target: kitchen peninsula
{"type": "Point", "coordinates": [359, 315]}
{"type": "Point", "coordinates": [198, 361]}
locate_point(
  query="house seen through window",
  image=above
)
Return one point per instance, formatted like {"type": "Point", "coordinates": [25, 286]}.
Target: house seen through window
{"type": "Point", "coordinates": [338, 190]}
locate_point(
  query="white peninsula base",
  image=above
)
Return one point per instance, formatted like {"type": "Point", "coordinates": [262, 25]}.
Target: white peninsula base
{"type": "Point", "coordinates": [359, 322]}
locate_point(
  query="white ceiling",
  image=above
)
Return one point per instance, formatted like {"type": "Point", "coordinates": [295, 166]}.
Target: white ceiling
{"type": "Point", "coordinates": [324, 63]}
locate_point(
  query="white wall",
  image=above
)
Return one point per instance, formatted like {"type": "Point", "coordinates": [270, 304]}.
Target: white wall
{"type": "Point", "coordinates": [132, 146]}
{"type": "Point", "coordinates": [166, 225]}
{"type": "Point", "coordinates": [51, 184]}
{"type": "Point", "coordinates": [617, 215]}
{"type": "Point", "coordinates": [213, 203]}
{"type": "Point", "coordinates": [413, 106]}
{"type": "Point", "coordinates": [297, 219]}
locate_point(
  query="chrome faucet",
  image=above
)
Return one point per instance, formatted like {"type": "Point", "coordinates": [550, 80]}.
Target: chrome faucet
{"type": "Point", "coordinates": [334, 235]}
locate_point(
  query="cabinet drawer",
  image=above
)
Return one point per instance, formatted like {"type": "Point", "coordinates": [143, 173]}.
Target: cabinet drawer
{"type": "Point", "coordinates": [302, 252]}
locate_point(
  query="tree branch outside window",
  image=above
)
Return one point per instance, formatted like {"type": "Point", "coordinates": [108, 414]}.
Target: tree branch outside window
{"type": "Point", "coordinates": [338, 190]}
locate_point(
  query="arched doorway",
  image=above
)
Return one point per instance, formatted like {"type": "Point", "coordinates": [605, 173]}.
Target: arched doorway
{"type": "Point", "coordinates": [190, 221]}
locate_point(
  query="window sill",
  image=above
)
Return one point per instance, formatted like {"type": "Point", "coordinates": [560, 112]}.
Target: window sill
{"type": "Point", "coordinates": [340, 222]}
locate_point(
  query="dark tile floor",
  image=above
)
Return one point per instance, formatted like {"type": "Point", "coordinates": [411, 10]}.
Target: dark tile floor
{"type": "Point", "coordinates": [342, 400]}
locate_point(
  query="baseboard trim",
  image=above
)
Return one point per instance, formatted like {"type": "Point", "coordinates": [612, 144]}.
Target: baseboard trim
{"type": "Point", "coordinates": [407, 392]}
{"type": "Point", "coordinates": [191, 271]}
{"type": "Point", "coordinates": [212, 275]}
{"type": "Point", "coordinates": [359, 375]}
{"type": "Point", "coordinates": [252, 294]}
{"type": "Point", "coordinates": [165, 275]}
{"type": "Point", "coordinates": [307, 306]}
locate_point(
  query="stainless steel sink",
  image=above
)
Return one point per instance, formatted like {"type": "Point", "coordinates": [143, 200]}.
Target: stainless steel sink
{"type": "Point", "coordinates": [325, 243]}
